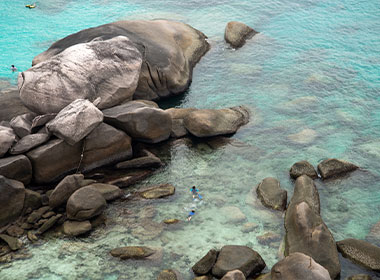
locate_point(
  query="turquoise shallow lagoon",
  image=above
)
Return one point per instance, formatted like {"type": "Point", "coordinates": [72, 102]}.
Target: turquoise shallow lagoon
{"type": "Point", "coordinates": [312, 81]}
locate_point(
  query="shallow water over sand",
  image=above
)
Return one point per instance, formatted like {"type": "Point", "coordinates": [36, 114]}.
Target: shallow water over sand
{"type": "Point", "coordinates": [312, 81]}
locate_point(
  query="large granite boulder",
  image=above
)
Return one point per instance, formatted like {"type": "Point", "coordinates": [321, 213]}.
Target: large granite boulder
{"type": "Point", "coordinates": [7, 137]}
{"type": "Point", "coordinates": [84, 204]}
{"type": "Point", "coordinates": [178, 126]}
{"type": "Point", "coordinates": [107, 69]}
{"type": "Point", "coordinates": [29, 142]}
{"type": "Point", "coordinates": [75, 121]}
{"type": "Point", "coordinates": [305, 190]}
{"type": "Point", "coordinates": [299, 266]}
{"type": "Point", "coordinates": [271, 195]}
{"type": "Point", "coordinates": [12, 196]}
{"type": "Point", "coordinates": [17, 168]}
{"type": "Point", "coordinates": [140, 120]}
{"type": "Point", "coordinates": [205, 264]}
{"type": "Point", "coordinates": [360, 252]}
{"type": "Point", "coordinates": [233, 257]}
{"type": "Point", "coordinates": [66, 188]}
{"type": "Point", "coordinates": [303, 168]}
{"type": "Point", "coordinates": [335, 167]}
{"type": "Point", "coordinates": [236, 33]}
{"type": "Point", "coordinates": [210, 122]}
{"type": "Point", "coordinates": [169, 49]}
{"type": "Point", "coordinates": [307, 233]}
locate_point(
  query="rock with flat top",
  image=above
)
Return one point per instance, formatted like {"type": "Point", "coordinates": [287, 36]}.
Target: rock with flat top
{"type": "Point", "coordinates": [271, 195]}
{"type": "Point", "coordinates": [75, 228]}
{"type": "Point", "coordinates": [335, 167]}
{"type": "Point", "coordinates": [236, 33]}
{"type": "Point", "coordinates": [303, 168]}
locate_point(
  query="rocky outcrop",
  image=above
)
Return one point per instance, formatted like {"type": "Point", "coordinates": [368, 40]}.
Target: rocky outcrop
{"type": "Point", "coordinates": [233, 257]}
{"type": "Point", "coordinates": [29, 142]}
{"type": "Point", "coordinates": [84, 204]}
{"type": "Point", "coordinates": [236, 33]}
{"type": "Point", "coordinates": [234, 275]}
{"type": "Point", "coordinates": [109, 192]}
{"type": "Point", "coordinates": [17, 168]}
{"type": "Point", "coordinates": [7, 137]}
{"type": "Point", "coordinates": [12, 196]}
{"type": "Point", "coordinates": [178, 126]}
{"type": "Point", "coordinates": [104, 69]}
{"type": "Point", "coordinates": [335, 167]}
{"type": "Point", "coordinates": [75, 121]}
{"type": "Point", "coordinates": [361, 253]}
{"type": "Point", "coordinates": [158, 191]}
{"type": "Point", "coordinates": [298, 266]}
{"type": "Point", "coordinates": [303, 168]}
{"type": "Point", "coordinates": [66, 188]}
{"type": "Point", "coordinates": [208, 122]}
{"type": "Point", "coordinates": [305, 190]}
{"type": "Point", "coordinates": [271, 195]}
{"type": "Point", "coordinates": [140, 120]}
{"type": "Point", "coordinates": [205, 264]}
{"type": "Point", "coordinates": [75, 228]}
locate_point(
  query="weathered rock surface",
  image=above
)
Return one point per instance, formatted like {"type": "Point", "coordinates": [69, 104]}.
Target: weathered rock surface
{"type": "Point", "coordinates": [205, 264]}
{"type": "Point", "coordinates": [209, 122]}
{"type": "Point", "coordinates": [303, 168]}
{"type": "Point", "coordinates": [360, 252]}
{"type": "Point", "coordinates": [234, 275]}
{"type": "Point", "coordinates": [105, 69]}
{"type": "Point", "coordinates": [66, 188]}
{"type": "Point", "coordinates": [49, 224]}
{"type": "Point", "coordinates": [7, 137]}
{"type": "Point", "coordinates": [75, 228]}
{"type": "Point", "coordinates": [271, 195]}
{"type": "Point", "coordinates": [32, 200]}
{"type": "Point", "coordinates": [140, 162]}
{"type": "Point", "coordinates": [37, 214]}
{"type": "Point", "coordinates": [169, 49]}
{"type": "Point", "coordinates": [233, 257]}
{"type": "Point", "coordinates": [29, 142]}
{"type": "Point", "coordinates": [236, 33]}
{"type": "Point", "coordinates": [11, 105]}
{"type": "Point", "coordinates": [84, 204]}
{"type": "Point", "coordinates": [17, 168]}
{"type": "Point", "coordinates": [307, 233]}
{"type": "Point", "coordinates": [15, 231]}
{"type": "Point", "coordinates": [304, 137]}
{"type": "Point", "coordinates": [75, 121]}
{"type": "Point", "coordinates": [22, 124]}
{"type": "Point", "coordinates": [299, 266]}
{"type": "Point", "coordinates": [158, 191]}
{"type": "Point", "coordinates": [169, 274]}
{"type": "Point", "coordinates": [305, 190]}
{"type": "Point", "coordinates": [132, 252]}
{"type": "Point", "coordinates": [178, 126]}
{"type": "Point", "coordinates": [41, 120]}
{"type": "Point", "coordinates": [12, 196]}
{"type": "Point", "coordinates": [109, 192]}
{"type": "Point", "coordinates": [335, 167]}
{"type": "Point", "coordinates": [268, 238]}
{"type": "Point", "coordinates": [141, 121]}
{"type": "Point", "coordinates": [12, 242]}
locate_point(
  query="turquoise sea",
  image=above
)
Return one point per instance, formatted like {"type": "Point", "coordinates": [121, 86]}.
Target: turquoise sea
{"type": "Point", "coordinates": [312, 81]}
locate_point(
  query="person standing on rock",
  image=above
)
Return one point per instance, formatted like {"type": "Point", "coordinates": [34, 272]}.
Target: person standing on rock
{"type": "Point", "coordinates": [191, 214]}
{"type": "Point", "coordinates": [195, 192]}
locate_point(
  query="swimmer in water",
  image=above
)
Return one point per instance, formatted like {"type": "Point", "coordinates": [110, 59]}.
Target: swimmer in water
{"type": "Point", "coordinates": [191, 214]}
{"type": "Point", "coordinates": [195, 192]}
{"type": "Point", "coordinates": [13, 68]}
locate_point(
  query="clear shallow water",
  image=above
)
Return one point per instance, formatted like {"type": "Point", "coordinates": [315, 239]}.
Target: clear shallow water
{"type": "Point", "coordinates": [315, 68]}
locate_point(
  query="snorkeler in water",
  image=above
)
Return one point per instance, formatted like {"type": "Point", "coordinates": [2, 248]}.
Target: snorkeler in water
{"type": "Point", "coordinates": [191, 214]}
{"type": "Point", "coordinates": [13, 68]}
{"type": "Point", "coordinates": [195, 192]}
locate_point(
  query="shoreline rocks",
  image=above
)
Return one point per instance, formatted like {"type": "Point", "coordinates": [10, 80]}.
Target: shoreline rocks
{"type": "Point", "coordinates": [236, 33]}
{"type": "Point", "coordinates": [330, 168]}
{"type": "Point", "coordinates": [271, 195]}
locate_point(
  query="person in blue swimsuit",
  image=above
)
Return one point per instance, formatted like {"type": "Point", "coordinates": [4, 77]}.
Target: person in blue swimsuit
{"type": "Point", "coordinates": [195, 192]}
{"type": "Point", "coordinates": [191, 214]}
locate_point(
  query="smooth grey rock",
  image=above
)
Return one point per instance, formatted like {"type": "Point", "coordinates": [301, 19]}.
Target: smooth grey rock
{"type": "Point", "coordinates": [205, 264]}
{"type": "Point", "coordinates": [12, 196]}
{"type": "Point", "coordinates": [169, 49]}
{"type": "Point", "coordinates": [109, 192]}
{"type": "Point", "coordinates": [75, 228]}
{"type": "Point", "coordinates": [236, 33]}
{"type": "Point", "coordinates": [75, 121]}
{"type": "Point", "coordinates": [108, 69]}
{"type": "Point", "coordinates": [271, 195]}
{"type": "Point", "coordinates": [303, 168]}
{"type": "Point", "coordinates": [361, 253]}
{"type": "Point", "coordinates": [41, 120]}
{"type": "Point", "coordinates": [233, 257]}
{"type": "Point", "coordinates": [210, 122]}
{"type": "Point", "coordinates": [84, 204]}
{"type": "Point", "coordinates": [17, 168]}
{"type": "Point", "coordinates": [299, 266]}
{"type": "Point", "coordinates": [7, 137]}
{"type": "Point", "coordinates": [305, 190]}
{"type": "Point", "coordinates": [22, 125]}
{"type": "Point", "coordinates": [29, 142]}
{"type": "Point", "coordinates": [140, 121]}
{"type": "Point", "coordinates": [234, 275]}
{"type": "Point", "coordinates": [335, 167]}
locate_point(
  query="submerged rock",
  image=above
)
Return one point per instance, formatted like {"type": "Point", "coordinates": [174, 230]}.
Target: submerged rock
{"type": "Point", "coordinates": [335, 167]}
{"type": "Point", "coordinates": [105, 69]}
{"type": "Point", "coordinates": [233, 257]}
{"type": "Point", "coordinates": [132, 252]}
{"type": "Point", "coordinates": [299, 266]}
{"type": "Point", "coordinates": [233, 214]}
{"type": "Point", "coordinates": [158, 191]}
{"type": "Point", "coordinates": [271, 195]}
{"type": "Point", "coordinates": [361, 253]}
{"type": "Point", "coordinates": [169, 49]}
{"type": "Point", "coordinates": [303, 168]}
{"type": "Point", "coordinates": [12, 196]}
{"type": "Point", "coordinates": [205, 264]}
{"type": "Point", "coordinates": [236, 33]}
{"type": "Point", "coordinates": [169, 274]}
{"type": "Point", "coordinates": [304, 137]}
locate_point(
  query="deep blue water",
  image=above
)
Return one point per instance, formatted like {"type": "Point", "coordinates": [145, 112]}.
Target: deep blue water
{"type": "Point", "coordinates": [314, 69]}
